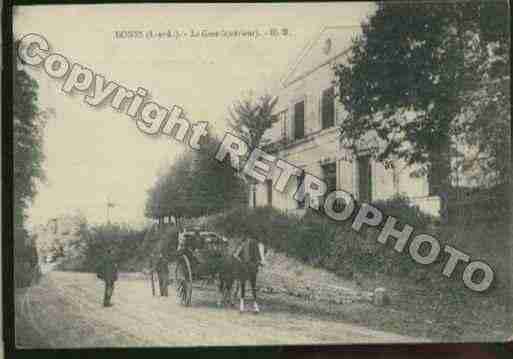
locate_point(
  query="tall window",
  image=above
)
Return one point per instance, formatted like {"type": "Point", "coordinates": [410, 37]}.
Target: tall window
{"type": "Point", "coordinates": [329, 176]}
{"type": "Point", "coordinates": [328, 108]}
{"type": "Point", "coordinates": [299, 120]}
{"type": "Point", "coordinates": [364, 178]}
{"type": "Point", "coordinates": [269, 186]}
{"type": "Point", "coordinates": [434, 180]}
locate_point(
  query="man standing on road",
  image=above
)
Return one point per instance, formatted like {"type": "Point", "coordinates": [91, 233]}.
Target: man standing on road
{"type": "Point", "coordinates": [108, 272]}
{"type": "Point", "coordinates": [162, 270]}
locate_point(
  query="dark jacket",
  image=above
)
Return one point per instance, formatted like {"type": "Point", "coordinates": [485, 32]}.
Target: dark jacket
{"type": "Point", "coordinates": [162, 267]}
{"type": "Point", "coordinates": [108, 270]}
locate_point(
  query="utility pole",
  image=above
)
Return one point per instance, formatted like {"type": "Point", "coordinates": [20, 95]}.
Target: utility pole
{"type": "Point", "coordinates": [110, 205]}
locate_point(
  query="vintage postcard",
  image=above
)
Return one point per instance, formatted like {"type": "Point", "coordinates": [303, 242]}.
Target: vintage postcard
{"type": "Point", "coordinates": [193, 175]}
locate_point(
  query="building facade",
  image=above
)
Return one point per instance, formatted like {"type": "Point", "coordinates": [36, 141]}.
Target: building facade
{"type": "Point", "coordinates": [307, 136]}
{"type": "Point", "coordinates": [54, 237]}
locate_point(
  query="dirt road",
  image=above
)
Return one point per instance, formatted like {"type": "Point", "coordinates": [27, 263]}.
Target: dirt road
{"type": "Point", "coordinates": [64, 310]}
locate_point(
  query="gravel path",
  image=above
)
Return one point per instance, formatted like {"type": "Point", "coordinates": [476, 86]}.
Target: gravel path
{"type": "Point", "coordinates": [64, 311]}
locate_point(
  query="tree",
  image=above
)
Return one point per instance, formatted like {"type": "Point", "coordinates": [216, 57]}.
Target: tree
{"type": "Point", "coordinates": [409, 76]}
{"type": "Point", "coordinates": [27, 142]}
{"type": "Point", "coordinates": [196, 184]}
{"type": "Point", "coordinates": [250, 118]}
{"type": "Point", "coordinates": [487, 124]}
{"type": "Point", "coordinates": [28, 125]}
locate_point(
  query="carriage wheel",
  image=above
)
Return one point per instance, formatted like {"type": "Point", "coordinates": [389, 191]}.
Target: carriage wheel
{"type": "Point", "coordinates": [183, 280]}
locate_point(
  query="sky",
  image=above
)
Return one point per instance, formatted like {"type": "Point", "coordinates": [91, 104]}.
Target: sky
{"type": "Point", "coordinates": [95, 154]}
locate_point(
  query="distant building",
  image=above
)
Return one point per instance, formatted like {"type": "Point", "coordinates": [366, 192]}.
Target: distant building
{"type": "Point", "coordinates": [307, 136]}
{"type": "Point", "coordinates": [52, 238]}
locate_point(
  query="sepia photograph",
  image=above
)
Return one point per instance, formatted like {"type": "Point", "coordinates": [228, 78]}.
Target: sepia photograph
{"type": "Point", "coordinates": [261, 174]}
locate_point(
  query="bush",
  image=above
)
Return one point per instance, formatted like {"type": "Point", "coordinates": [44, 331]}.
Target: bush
{"type": "Point", "coordinates": [370, 256]}
{"type": "Point", "coordinates": [26, 267]}
{"type": "Point", "coordinates": [265, 224]}
{"type": "Point", "coordinates": [317, 240]}
{"type": "Point", "coordinates": [84, 253]}
{"type": "Point", "coordinates": [405, 211]}
{"type": "Point", "coordinates": [471, 205]}
{"type": "Point", "coordinates": [156, 241]}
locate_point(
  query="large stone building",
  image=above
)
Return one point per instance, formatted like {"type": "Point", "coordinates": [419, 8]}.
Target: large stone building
{"type": "Point", "coordinates": [307, 136]}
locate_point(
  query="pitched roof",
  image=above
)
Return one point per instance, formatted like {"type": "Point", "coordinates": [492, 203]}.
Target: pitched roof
{"type": "Point", "coordinates": [314, 56]}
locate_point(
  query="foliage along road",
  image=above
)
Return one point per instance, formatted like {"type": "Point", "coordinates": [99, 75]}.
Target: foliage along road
{"type": "Point", "coordinates": [64, 311]}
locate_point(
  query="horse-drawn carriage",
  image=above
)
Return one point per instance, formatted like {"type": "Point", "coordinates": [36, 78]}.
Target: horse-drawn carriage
{"type": "Point", "coordinates": [199, 257]}
{"type": "Point", "coordinates": [208, 256]}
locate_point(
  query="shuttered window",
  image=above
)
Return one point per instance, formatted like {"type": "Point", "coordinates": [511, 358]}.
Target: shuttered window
{"type": "Point", "coordinates": [364, 178]}
{"type": "Point", "coordinates": [299, 120]}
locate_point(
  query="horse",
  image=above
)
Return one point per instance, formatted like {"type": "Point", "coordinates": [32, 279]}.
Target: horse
{"type": "Point", "coordinates": [242, 266]}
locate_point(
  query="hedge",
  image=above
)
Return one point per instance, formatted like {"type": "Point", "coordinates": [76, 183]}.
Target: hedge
{"type": "Point", "coordinates": [317, 240]}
